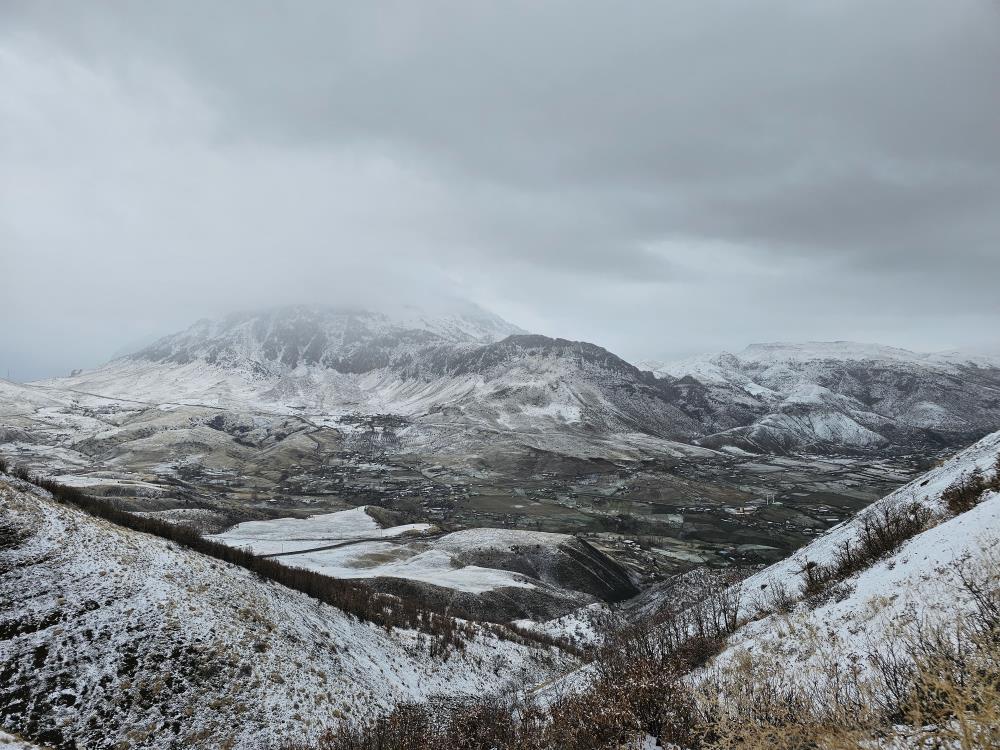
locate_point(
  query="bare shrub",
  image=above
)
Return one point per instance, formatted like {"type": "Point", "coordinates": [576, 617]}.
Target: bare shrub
{"type": "Point", "coordinates": [966, 493]}
{"type": "Point", "coordinates": [490, 723]}
{"type": "Point", "coordinates": [881, 531]}
{"type": "Point", "coordinates": [774, 597]}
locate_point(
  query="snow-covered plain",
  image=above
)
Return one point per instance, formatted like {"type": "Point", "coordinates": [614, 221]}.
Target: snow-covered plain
{"type": "Point", "coordinates": [350, 544]}
{"type": "Point", "coordinates": [292, 534]}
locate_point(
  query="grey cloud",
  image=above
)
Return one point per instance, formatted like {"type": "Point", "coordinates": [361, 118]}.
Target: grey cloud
{"type": "Point", "coordinates": [754, 169]}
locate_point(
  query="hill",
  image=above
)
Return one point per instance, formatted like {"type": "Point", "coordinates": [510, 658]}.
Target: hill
{"type": "Point", "coordinates": [111, 637]}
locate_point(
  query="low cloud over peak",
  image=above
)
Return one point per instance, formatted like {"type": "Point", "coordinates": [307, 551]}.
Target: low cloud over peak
{"type": "Point", "coordinates": [658, 178]}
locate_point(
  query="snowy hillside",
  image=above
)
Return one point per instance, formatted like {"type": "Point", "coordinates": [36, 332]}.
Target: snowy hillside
{"type": "Point", "coordinates": [917, 585]}
{"type": "Point", "coordinates": [110, 637]}
{"type": "Point", "coordinates": [830, 395]}
{"type": "Point", "coordinates": [896, 647]}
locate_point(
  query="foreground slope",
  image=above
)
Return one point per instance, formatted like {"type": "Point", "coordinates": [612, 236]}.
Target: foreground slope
{"type": "Point", "coordinates": [897, 649]}
{"type": "Point", "coordinates": [918, 585]}
{"type": "Point", "coordinates": [110, 637]}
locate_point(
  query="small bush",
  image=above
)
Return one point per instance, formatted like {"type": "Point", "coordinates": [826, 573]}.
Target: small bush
{"type": "Point", "coordinates": [967, 492]}
{"type": "Point", "coordinates": [881, 531]}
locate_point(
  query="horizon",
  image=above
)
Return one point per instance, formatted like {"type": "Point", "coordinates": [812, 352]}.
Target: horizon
{"type": "Point", "coordinates": [644, 363]}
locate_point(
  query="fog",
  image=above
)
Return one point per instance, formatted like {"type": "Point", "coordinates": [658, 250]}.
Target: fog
{"type": "Point", "coordinates": [658, 178]}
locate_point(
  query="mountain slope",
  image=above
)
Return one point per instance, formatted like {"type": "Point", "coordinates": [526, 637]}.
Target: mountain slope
{"type": "Point", "coordinates": [467, 369]}
{"type": "Point", "coordinates": [918, 586]}
{"type": "Point", "coordinates": [471, 371]}
{"type": "Point", "coordinates": [877, 655]}
{"type": "Point", "coordinates": [344, 339]}
{"type": "Point", "coordinates": [837, 395]}
{"type": "Point", "coordinates": [110, 637]}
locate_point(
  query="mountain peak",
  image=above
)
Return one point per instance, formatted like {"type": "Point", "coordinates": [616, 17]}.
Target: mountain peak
{"type": "Point", "coordinates": [345, 338]}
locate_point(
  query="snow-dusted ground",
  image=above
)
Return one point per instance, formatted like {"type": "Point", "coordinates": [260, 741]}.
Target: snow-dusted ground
{"type": "Point", "coordinates": [926, 489]}
{"type": "Point", "coordinates": [362, 549]}
{"type": "Point", "coordinates": [117, 633]}
{"type": "Point", "coordinates": [918, 583]}
{"type": "Point", "coordinates": [582, 626]}
{"type": "Point", "coordinates": [291, 534]}
{"type": "Point", "coordinates": [10, 742]}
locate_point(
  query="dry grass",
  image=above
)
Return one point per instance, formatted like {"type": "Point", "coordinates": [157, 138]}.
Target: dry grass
{"type": "Point", "coordinates": [936, 686]}
{"type": "Point", "coordinates": [968, 491]}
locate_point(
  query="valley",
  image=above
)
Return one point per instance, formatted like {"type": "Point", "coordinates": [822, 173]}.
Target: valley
{"type": "Point", "coordinates": [659, 514]}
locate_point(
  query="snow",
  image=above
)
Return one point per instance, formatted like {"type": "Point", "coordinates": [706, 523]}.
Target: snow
{"type": "Point", "coordinates": [918, 583]}
{"type": "Point", "coordinates": [10, 742]}
{"type": "Point", "coordinates": [715, 367]}
{"type": "Point", "coordinates": [831, 395]}
{"type": "Point", "coordinates": [581, 626]}
{"type": "Point", "coordinates": [925, 489]}
{"type": "Point", "coordinates": [563, 412]}
{"type": "Point", "coordinates": [288, 534]}
{"type": "Point", "coordinates": [498, 539]}
{"type": "Point", "coordinates": [286, 665]}
{"type": "Point", "coordinates": [827, 350]}
{"type": "Point", "coordinates": [433, 566]}
{"type": "Point", "coordinates": [360, 553]}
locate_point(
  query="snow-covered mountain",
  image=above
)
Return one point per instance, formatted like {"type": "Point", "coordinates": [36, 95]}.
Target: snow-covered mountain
{"type": "Point", "coordinates": [348, 340]}
{"type": "Point", "coordinates": [829, 395]}
{"type": "Point", "coordinates": [465, 368]}
{"type": "Point", "coordinates": [935, 579]}
{"type": "Point", "coordinates": [469, 369]}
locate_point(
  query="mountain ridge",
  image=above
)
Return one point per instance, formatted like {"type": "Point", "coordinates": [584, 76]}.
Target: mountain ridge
{"type": "Point", "coordinates": [473, 367]}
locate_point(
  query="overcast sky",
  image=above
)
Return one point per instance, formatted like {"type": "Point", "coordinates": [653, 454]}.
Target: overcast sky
{"type": "Point", "coordinates": [658, 177]}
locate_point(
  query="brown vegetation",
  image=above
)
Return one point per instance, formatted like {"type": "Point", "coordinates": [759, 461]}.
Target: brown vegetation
{"type": "Point", "coordinates": [968, 491]}
{"type": "Point", "coordinates": [881, 531]}
{"type": "Point", "coordinates": [936, 685]}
